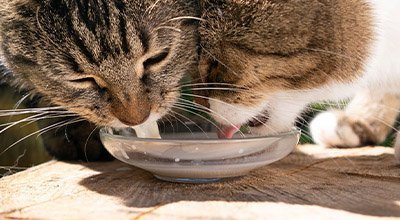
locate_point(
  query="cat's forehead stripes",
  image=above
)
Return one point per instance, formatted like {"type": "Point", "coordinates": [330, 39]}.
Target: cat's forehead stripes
{"type": "Point", "coordinates": [86, 52]}
{"type": "Point", "coordinates": [97, 28]}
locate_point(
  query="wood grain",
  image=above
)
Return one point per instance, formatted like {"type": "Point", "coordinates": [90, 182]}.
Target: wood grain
{"type": "Point", "coordinates": [313, 182]}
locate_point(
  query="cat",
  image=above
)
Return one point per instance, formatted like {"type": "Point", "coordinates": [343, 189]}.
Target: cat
{"type": "Point", "coordinates": [261, 62]}
{"type": "Point", "coordinates": [265, 61]}
{"type": "Point", "coordinates": [110, 62]}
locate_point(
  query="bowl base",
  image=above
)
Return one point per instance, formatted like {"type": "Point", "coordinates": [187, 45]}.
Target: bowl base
{"type": "Point", "coordinates": [188, 180]}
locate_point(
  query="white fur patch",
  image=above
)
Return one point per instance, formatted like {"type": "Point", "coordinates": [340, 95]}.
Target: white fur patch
{"type": "Point", "coordinates": [383, 68]}
{"type": "Point", "coordinates": [230, 114]}
{"type": "Point", "coordinates": [282, 112]}
{"type": "Point", "coordinates": [326, 131]}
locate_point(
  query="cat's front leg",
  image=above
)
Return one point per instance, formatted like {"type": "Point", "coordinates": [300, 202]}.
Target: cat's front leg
{"type": "Point", "coordinates": [368, 119]}
{"type": "Point", "coordinates": [77, 141]}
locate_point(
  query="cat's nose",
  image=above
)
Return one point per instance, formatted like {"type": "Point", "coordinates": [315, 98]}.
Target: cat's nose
{"type": "Point", "coordinates": [133, 121]}
{"type": "Point", "coordinates": [131, 110]}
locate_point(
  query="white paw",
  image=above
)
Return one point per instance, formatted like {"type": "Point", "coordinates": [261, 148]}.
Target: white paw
{"type": "Point", "coordinates": [329, 129]}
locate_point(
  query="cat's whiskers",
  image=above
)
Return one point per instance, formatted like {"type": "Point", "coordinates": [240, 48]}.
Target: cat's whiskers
{"type": "Point", "coordinates": [221, 89]}
{"type": "Point", "coordinates": [34, 118]}
{"type": "Point", "coordinates": [385, 123]}
{"type": "Point", "coordinates": [184, 108]}
{"type": "Point", "coordinates": [333, 53]}
{"type": "Point", "coordinates": [252, 115]}
{"type": "Point", "coordinates": [51, 117]}
{"type": "Point", "coordinates": [183, 123]}
{"type": "Point", "coordinates": [288, 99]}
{"type": "Point", "coordinates": [242, 90]}
{"type": "Point", "coordinates": [304, 132]}
{"type": "Point", "coordinates": [42, 131]}
{"type": "Point", "coordinates": [209, 98]}
{"type": "Point", "coordinates": [12, 124]}
{"type": "Point", "coordinates": [164, 25]}
{"type": "Point", "coordinates": [202, 108]}
{"type": "Point", "coordinates": [212, 84]}
{"type": "Point", "coordinates": [12, 112]}
{"type": "Point", "coordinates": [193, 106]}
{"type": "Point", "coordinates": [207, 85]}
{"type": "Point", "coordinates": [37, 114]}
{"type": "Point", "coordinates": [188, 119]}
{"type": "Point", "coordinates": [21, 101]}
{"type": "Point", "coordinates": [86, 143]}
{"type": "Point", "coordinates": [150, 9]}
{"type": "Point", "coordinates": [208, 110]}
{"type": "Point", "coordinates": [169, 28]}
{"type": "Point", "coordinates": [170, 122]}
{"type": "Point", "coordinates": [66, 122]}
{"type": "Point", "coordinates": [219, 61]}
{"type": "Point", "coordinates": [183, 18]}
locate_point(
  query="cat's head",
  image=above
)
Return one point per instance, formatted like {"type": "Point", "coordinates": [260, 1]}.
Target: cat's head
{"type": "Point", "coordinates": [265, 60]}
{"type": "Point", "coordinates": [111, 61]}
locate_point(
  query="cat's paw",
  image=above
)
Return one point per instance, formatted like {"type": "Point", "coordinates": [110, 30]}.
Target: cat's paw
{"type": "Point", "coordinates": [336, 129]}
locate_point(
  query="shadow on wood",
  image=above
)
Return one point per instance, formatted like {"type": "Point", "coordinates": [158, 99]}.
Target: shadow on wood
{"type": "Point", "coordinates": [311, 183]}
{"type": "Point", "coordinates": [367, 185]}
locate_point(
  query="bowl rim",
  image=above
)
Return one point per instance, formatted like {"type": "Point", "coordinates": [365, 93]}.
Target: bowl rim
{"type": "Point", "coordinates": [103, 132]}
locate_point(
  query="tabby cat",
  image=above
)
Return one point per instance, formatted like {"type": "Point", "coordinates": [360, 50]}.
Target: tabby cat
{"type": "Point", "coordinates": [112, 62]}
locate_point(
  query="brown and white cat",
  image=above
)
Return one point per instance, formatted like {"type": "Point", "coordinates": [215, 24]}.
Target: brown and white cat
{"type": "Point", "coordinates": [266, 60]}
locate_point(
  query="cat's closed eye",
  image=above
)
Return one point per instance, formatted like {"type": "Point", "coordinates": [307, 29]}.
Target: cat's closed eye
{"type": "Point", "coordinates": [88, 82]}
{"type": "Point", "coordinates": [156, 59]}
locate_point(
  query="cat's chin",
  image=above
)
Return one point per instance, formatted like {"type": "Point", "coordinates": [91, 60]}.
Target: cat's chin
{"type": "Point", "coordinates": [233, 114]}
{"type": "Point", "coordinates": [117, 124]}
{"type": "Point", "coordinates": [269, 118]}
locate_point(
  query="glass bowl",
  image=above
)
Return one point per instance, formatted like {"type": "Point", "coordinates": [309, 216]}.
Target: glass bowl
{"type": "Point", "coordinates": [197, 156]}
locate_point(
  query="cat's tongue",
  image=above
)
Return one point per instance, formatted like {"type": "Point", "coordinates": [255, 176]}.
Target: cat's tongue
{"type": "Point", "coordinates": [227, 132]}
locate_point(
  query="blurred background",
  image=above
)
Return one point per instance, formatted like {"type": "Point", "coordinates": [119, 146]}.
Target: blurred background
{"type": "Point", "coordinates": [26, 153]}
{"type": "Point", "coordinates": [31, 152]}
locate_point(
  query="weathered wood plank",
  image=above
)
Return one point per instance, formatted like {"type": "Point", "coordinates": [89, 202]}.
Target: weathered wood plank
{"type": "Point", "coordinates": [311, 183]}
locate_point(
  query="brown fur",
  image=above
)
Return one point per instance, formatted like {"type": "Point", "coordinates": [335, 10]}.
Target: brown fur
{"type": "Point", "coordinates": [103, 59]}
{"type": "Point", "coordinates": [269, 46]}
{"type": "Point", "coordinates": [109, 61]}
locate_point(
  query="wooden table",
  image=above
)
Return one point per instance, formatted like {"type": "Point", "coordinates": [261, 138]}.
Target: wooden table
{"type": "Point", "coordinates": [313, 183]}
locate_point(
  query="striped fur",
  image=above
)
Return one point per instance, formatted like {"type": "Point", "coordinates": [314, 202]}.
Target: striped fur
{"type": "Point", "coordinates": [114, 62]}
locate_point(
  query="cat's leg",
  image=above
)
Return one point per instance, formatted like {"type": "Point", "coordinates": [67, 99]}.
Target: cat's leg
{"type": "Point", "coordinates": [75, 141]}
{"type": "Point", "coordinates": [78, 141]}
{"type": "Point", "coordinates": [368, 119]}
